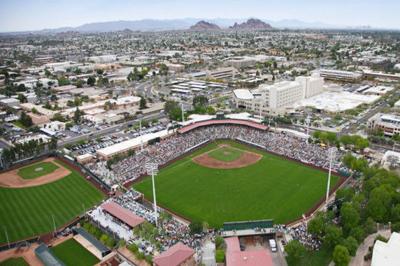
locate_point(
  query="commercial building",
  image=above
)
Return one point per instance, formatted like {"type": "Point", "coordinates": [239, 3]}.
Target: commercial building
{"type": "Point", "coordinates": [340, 75]}
{"type": "Point", "coordinates": [274, 99]}
{"type": "Point", "coordinates": [388, 123]}
{"type": "Point", "coordinates": [387, 253]}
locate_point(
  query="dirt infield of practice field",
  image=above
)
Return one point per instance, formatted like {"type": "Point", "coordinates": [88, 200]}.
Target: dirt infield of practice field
{"type": "Point", "coordinates": [247, 158]}
{"type": "Point", "coordinates": [11, 179]}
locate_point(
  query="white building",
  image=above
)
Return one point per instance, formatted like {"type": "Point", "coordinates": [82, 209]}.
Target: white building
{"type": "Point", "coordinates": [276, 98]}
{"type": "Point", "coordinates": [387, 253]}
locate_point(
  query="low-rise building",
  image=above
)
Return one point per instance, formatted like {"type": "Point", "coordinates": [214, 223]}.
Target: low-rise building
{"type": "Point", "coordinates": [388, 123]}
{"type": "Point", "coordinates": [340, 75]}
{"type": "Point", "coordinates": [177, 255]}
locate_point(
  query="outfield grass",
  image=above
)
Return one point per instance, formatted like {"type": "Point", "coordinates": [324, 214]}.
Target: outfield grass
{"type": "Point", "coordinates": [32, 171]}
{"type": "Point", "coordinates": [25, 212]}
{"type": "Point", "coordinates": [14, 262]}
{"type": "Point", "coordinates": [225, 154]}
{"type": "Point", "coordinates": [272, 188]}
{"type": "Point", "coordinates": [74, 254]}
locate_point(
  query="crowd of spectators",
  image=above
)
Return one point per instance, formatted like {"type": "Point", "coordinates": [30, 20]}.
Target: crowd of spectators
{"type": "Point", "coordinates": [285, 144]}
{"type": "Point", "coordinates": [301, 234]}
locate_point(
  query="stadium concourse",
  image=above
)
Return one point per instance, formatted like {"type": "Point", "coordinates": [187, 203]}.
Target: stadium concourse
{"type": "Point", "coordinates": [194, 135]}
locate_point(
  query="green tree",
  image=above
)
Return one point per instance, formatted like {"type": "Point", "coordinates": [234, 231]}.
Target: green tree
{"type": "Point", "coordinates": [341, 256]}
{"type": "Point", "coordinates": [142, 103]}
{"type": "Point", "coordinates": [91, 81]}
{"type": "Point", "coordinates": [349, 216]}
{"type": "Point", "coordinates": [22, 98]}
{"type": "Point", "coordinates": [351, 244]}
{"type": "Point", "coordinates": [317, 225]}
{"type": "Point", "coordinates": [200, 101]}
{"type": "Point", "coordinates": [295, 250]}
{"type": "Point", "coordinates": [62, 81]}
{"type": "Point", "coordinates": [25, 120]}
{"type": "Point", "coordinates": [196, 227]}
{"type": "Point", "coordinates": [379, 204]}
{"type": "Point", "coordinates": [333, 235]}
{"type": "Point", "coordinates": [78, 116]}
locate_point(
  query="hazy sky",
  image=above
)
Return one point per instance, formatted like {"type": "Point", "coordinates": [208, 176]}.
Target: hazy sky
{"type": "Point", "coordinates": [17, 15]}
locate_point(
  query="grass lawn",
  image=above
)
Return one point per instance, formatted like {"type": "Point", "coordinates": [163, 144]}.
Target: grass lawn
{"type": "Point", "coordinates": [14, 262]}
{"type": "Point", "coordinates": [74, 254]}
{"type": "Point", "coordinates": [225, 154]}
{"type": "Point", "coordinates": [272, 188]}
{"type": "Point", "coordinates": [37, 170]}
{"type": "Point", "coordinates": [25, 212]}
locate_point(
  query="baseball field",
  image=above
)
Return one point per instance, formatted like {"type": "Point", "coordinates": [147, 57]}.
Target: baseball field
{"type": "Point", "coordinates": [229, 181]}
{"type": "Point", "coordinates": [31, 207]}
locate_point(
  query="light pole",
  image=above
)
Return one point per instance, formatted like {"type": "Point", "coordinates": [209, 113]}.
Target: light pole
{"type": "Point", "coordinates": [332, 152]}
{"type": "Point", "coordinates": [54, 224]}
{"type": "Point", "coordinates": [8, 241]}
{"type": "Point", "coordinates": [307, 121]}
{"type": "Point", "coordinates": [152, 169]}
{"type": "Point", "coordinates": [183, 115]}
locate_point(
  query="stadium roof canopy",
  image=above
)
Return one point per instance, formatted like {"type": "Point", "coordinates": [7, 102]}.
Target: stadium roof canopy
{"type": "Point", "coordinates": [222, 122]}
{"type": "Point", "coordinates": [46, 256]}
{"type": "Point", "coordinates": [174, 256]}
{"type": "Point", "coordinates": [122, 214]}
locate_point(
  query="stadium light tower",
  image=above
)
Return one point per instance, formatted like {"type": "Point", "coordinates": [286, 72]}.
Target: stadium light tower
{"type": "Point", "coordinates": [152, 169]}
{"type": "Point", "coordinates": [332, 152]}
{"type": "Point", "coordinates": [183, 112]}
{"type": "Point", "coordinates": [307, 122]}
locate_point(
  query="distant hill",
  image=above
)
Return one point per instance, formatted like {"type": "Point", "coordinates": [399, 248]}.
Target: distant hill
{"type": "Point", "coordinates": [184, 24]}
{"type": "Point", "coordinates": [251, 24]}
{"type": "Point", "coordinates": [204, 26]}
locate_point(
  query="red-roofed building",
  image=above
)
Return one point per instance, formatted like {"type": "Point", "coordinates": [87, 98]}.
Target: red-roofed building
{"type": "Point", "coordinates": [235, 257]}
{"type": "Point", "coordinates": [177, 255]}
{"type": "Point", "coordinates": [122, 214]}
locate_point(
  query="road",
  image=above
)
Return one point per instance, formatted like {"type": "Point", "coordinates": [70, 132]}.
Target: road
{"type": "Point", "coordinates": [108, 130]}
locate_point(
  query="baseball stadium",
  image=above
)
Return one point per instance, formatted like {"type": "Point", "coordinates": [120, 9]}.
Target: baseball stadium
{"type": "Point", "coordinates": [237, 177]}
{"type": "Point", "coordinates": [232, 176]}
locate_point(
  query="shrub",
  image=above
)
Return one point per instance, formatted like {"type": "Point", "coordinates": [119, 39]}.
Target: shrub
{"type": "Point", "coordinates": [220, 255]}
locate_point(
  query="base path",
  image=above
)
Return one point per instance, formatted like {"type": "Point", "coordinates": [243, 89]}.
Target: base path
{"type": "Point", "coordinates": [247, 158]}
{"type": "Point", "coordinates": [11, 179]}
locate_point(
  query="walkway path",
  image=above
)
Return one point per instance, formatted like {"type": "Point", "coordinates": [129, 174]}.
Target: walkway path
{"type": "Point", "coordinates": [208, 249]}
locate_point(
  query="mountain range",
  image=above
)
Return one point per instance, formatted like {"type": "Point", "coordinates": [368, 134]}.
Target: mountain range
{"type": "Point", "coordinates": [180, 24]}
